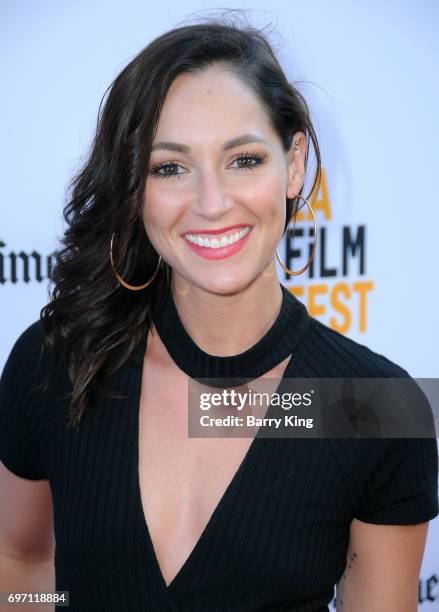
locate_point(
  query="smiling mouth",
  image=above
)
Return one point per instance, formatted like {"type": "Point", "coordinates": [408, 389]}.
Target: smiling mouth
{"type": "Point", "coordinates": [215, 242]}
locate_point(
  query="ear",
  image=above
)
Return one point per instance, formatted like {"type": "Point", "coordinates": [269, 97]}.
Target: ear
{"type": "Point", "coordinates": [296, 164]}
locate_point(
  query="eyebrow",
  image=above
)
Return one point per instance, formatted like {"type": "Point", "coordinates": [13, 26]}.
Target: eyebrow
{"type": "Point", "coordinates": [235, 142]}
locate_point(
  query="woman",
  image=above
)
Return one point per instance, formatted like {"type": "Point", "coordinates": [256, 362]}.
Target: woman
{"type": "Point", "coordinates": [168, 274]}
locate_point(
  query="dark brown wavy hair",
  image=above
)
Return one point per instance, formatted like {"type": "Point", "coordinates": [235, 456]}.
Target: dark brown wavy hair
{"type": "Point", "coordinates": [90, 319]}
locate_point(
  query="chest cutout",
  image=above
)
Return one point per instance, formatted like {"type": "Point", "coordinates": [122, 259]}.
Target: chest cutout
{"type": "Point", "coordinates": [182, 480]}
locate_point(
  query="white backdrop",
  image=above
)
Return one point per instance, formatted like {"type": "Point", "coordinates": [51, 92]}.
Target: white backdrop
{"type": "Point", "coordinates": [369, 73]}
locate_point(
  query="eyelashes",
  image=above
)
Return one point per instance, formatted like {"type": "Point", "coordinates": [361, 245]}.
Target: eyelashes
{"type": "Point", "coordinates": [256, 158]}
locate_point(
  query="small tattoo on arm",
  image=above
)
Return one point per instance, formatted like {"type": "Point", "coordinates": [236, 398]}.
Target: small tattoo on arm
{"type": "Point", "coordinates": [339, 599]}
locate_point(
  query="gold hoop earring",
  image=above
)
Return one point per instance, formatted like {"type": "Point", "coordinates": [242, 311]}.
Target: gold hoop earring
{"type": "Point", "coordinates": [308, 263]}
{"type": "Point", "coordinates": [121, 280]}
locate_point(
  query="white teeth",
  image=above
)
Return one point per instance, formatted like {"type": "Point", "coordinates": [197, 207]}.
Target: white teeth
{"type": "Point", "coordinates": [215, 243]}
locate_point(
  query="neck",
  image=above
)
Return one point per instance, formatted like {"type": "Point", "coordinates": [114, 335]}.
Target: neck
{"type": "Point", "coordinates": [226, 325]}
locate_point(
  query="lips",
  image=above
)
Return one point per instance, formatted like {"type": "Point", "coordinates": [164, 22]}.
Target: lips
{"type": "Point", "coordinates": [217, 232]}
{"type": "Point", "coordinates": [218, 244]}
{"type": "Point", "coordinates": [213, 241]}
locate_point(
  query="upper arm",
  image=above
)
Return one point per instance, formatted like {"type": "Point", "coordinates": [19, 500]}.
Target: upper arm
{"type": "Point", "coordinates": [382, 568]}
{"type": "Point", "coordinates": [26, 517]}
{"type": "Point", "coordinates": [395, 493]}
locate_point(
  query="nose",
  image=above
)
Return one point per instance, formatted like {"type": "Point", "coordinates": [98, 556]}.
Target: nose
{"type": "Point", "coordinates": [211, 200]}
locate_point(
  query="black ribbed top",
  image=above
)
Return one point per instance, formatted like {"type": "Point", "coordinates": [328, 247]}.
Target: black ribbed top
{"type": "Point", "coordinates": [276, 541]}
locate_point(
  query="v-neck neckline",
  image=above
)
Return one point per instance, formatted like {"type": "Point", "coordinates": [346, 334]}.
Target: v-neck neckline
{"type": "Point", "coordinates": [300, 324]}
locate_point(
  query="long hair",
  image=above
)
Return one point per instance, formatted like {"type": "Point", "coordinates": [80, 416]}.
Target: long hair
{"type": "Point", "coordinates": [90, 319]}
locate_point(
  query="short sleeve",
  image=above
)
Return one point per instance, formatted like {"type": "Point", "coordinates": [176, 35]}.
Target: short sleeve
{"type": "Point", "coordinates": [403, 487]}
{"type": "Point", "coordinates": [18, 447]}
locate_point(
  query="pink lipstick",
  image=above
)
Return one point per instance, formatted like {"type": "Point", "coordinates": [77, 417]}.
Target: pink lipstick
{"type": "Point", "coordinates": [219, 243]}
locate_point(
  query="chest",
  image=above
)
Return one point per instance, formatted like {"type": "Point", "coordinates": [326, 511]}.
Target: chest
{"type": "Point", "coordinates": [179, 475]}
{"type": "Point", "coordinates": [182, 479]}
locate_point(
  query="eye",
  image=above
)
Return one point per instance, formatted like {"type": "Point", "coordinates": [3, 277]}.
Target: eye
{"type": "Point", "coordinates": [246, 157]}
{"type": "Point", "coordinates": [168, 167]}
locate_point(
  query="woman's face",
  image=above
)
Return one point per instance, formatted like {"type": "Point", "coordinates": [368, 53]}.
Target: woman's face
{"type": "Point", "coordinates": [215, 209]}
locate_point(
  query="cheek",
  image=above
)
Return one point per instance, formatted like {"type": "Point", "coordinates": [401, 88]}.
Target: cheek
{"type": "Point", "coordinates": [269, 198]}
{"type": "Point", "coordinates": [159, 209]}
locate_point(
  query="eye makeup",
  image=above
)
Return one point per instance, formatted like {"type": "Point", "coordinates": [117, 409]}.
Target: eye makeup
{"type": "Point", "coordinates": [242, 157]}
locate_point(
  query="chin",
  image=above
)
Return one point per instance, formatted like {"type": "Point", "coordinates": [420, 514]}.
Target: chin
{"type": "Point", "coordinates": [223, 283]}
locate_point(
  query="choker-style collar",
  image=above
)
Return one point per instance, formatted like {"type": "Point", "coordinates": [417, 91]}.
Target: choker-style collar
{"type": "Point", "coordinates": [276, 344]}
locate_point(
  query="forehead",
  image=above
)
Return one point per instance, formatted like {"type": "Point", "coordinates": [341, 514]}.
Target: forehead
{"type": "Point", "coordinates": [210, 107]}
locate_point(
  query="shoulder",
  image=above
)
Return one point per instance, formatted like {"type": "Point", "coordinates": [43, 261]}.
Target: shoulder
{"type": "Point", "coordinates": [391, 480]}
{"type": "Point", "coordinates": [20, 407]}
{"type": "Point", "coordinates": [29, 361]}
{"type": "Point", "coordinates": [26, 353]}
{"type": "Point", "coordinates": [26, 366]}
{"type": "Point", "coordinates": [30, 338]}
{"type": "Point", "coordinates": [327, 352]}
